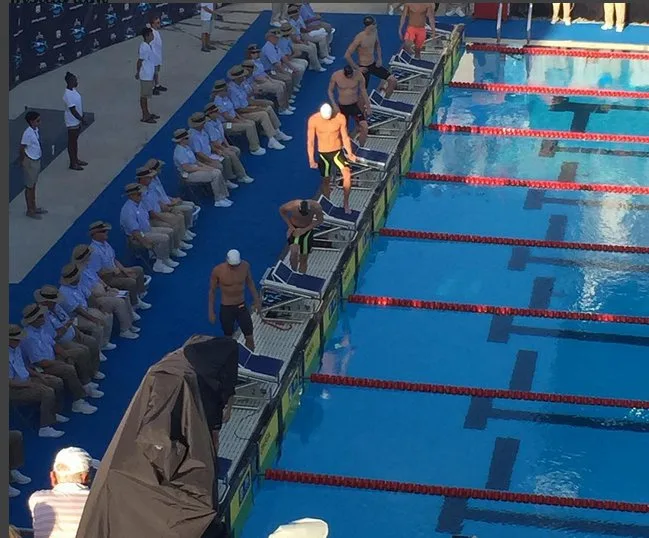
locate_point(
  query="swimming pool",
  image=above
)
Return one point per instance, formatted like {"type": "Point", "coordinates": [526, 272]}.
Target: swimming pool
{"type": "Point", "coordinates": [529, 447]}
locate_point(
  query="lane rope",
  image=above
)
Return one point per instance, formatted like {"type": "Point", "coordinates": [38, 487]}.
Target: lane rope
{"type": "Point", "coordinates": [555, 51]}
{"type": "Point", "coordinates": [538, 133]}
{"type": "Point", "coordinates": [511, 241]}
{"type": "Point", "coordinates": [457, 390]}
{"type": "Point", "coordinates": [299, 477]}
{"type": "Point", "coordinates": [375, 300]}
{"type": "Point", "coordinates": [485, 181]}
{"type": "Point", "coordinates": [549, 90]}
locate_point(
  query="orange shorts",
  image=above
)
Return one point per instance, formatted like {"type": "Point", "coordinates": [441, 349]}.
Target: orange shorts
{"type": "Point", "coordinates": [416, 35]}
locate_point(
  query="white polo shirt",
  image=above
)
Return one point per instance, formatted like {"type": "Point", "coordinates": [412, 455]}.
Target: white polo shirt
{"type": "Point", "coordinates": [148, 61]}
{"type": "Point", "coordinates": [72, 98]}
{"type": "Point", "coordinates": [206, 15]}
{"type": "Point", "coordinates": [32, 139]}
{"type": "Point", "coordinates": [156, 45]}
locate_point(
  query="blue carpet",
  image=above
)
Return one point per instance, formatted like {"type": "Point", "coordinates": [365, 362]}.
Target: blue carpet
{"type": "Point", "coordinates": [252, 225]}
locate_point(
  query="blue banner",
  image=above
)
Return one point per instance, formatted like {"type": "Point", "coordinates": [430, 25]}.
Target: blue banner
{"type": "Point", "coordinates": [44, 36]}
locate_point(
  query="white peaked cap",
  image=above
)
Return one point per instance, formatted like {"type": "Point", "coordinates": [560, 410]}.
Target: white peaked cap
{"type": "Point", "coordinates": [303, 528]}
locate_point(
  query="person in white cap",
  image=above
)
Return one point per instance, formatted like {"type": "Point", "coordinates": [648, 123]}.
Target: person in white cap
{"type": "Point", "coordinates": [56, 512]}
{"type": "Point", "coordinates": [232, 277]}
{"type": "Point", "coordinates": [303, 528]}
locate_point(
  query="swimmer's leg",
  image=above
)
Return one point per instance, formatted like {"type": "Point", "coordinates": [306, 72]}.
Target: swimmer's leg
{"type": "Point", "coordinates": [294, 251]}
{"type": "Point", "coordinates": [303, 261]}
{"type": "Point", "coordinates": [347, 187]}
{"type": "Point", "coordinates": [364, 130]}
{"type": "Point", "coordinates": [391, 86]}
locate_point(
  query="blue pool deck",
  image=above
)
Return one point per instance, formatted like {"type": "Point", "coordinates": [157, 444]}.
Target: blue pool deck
{"type": "Point", "coordinates": [179, 304]}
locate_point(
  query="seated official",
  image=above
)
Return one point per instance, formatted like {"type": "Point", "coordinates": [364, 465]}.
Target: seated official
{"type": "Point", "coordinates": [89, 320]}
{"type": "Point", "coordinates": [314, 22]}
{"type": "Point", "coordinates": [159, 218]}
{"type": "Point", "coordinates": [16, 461]}
{"type": "Point", "coordinates": [275, 65]}
{"type": "Point", "coordinates": [199, 142]}
{"type": "Point", "coordinates": [293, 55]}
{"type": "Point", "coordinates": [266, 82]}
{"type": "Point", "coordinates": [187, 163]}
{"type": "Point", "coordinates": [111, 271]}
{"type": "Point", "coordinates": [189, 210]}
{"type": "Point", "coordinates": [108, 300]}
{"type": "Point", "coordinates": [233, 122]}
{"type": "Point", "coordinates": [40, 352]}
{"type": "Point", "coordinates": [134, 220]}
{"type": "Point", "coordinates": [254, 99]}
{"type": "Point", "coordinates": [219, 144]}
{"type": "Point", "coordinates": [27, 386]}
{"type": "Point", "coordinates": [318, 37]}
{"type": "Point", "coordinates": [268, 120]}
{"type": "Point", "coordinates": [293, 46]}
{"type": "Point", "coordinates": [62, 328]}
{"type": "Point", "coordinates": [56, 512]}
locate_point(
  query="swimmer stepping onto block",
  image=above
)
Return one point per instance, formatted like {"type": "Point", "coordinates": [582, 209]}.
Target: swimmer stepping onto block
{"type": "Point", "coordinates": [353, 101]}
{"type": "Point", "coordinates": [301, 217]}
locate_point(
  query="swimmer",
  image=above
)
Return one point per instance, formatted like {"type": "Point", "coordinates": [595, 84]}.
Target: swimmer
{"type": "Point", "coordinates": [232, 276]}
{"type": "Point", "coordinates": [369, 57]}
{"type": "Point", "coordinates": [301, 217]}
{"type": "Point", "coordinates": [331, 132]}
{"type": "Point", "coordinates": [353, 101]}
{"type": "Point", "coordinates": [415, 35]}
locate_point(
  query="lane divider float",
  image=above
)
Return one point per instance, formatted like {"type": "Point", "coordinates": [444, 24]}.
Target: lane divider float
{"type": "Point", "coordinates": [299, 477]}
{"type": "Point", "coordinates": [375, 300]}
{"type": "Point", "coordinates": [549, 90]}
{"type": "Point", "coordinates": [555, 51]}
{"type": "Point", "coordinates": [511, 241]}
{"type": "Point", "coordinates": [457, 390]}
{"type": "Point", "coordinates": [538, 133]}
{"type": "Point", "coordinates": [484, 181]}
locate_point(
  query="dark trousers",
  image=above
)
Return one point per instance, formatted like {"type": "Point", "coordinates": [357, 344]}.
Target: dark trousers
{"type": "Point", "coordinates": [73, 144]}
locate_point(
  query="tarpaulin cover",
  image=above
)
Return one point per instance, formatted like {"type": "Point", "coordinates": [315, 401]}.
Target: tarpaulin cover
{"type": "Point", "coordinates": [157, 478]}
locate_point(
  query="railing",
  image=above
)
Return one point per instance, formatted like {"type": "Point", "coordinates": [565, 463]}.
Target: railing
{"type": "Point", "coordinates": [499, 22]}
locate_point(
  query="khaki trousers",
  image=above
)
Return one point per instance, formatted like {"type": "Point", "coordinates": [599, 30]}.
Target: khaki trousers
{"type": "Point", "coordinates": [99, 331]}
{"type": "Point", "coordinates": [248, 128]}
{"type": "Point", "coordinates": [16, 451]}
{"type": "Point", "coordinates": [175, 222]}
{"type": "Point", "coordinates": [615, 13]}
{"type": "Point", "coordinates": [287, 79]}
{"type": "Point", "coordinates": [86, 342]}
{"type": "Point", "coordinates": [133, 282]}
{"type": "Point", "coordinates": [214, 178]}
{"type": "Point", "coordinates": [262, 116]}
{"type": "Point", "coordinates": [120, 307]}
{"type": "Point", "coordinates": [276, 88]}
{"type": "Point", "coordinates": [186, 209]}
{"type": "Point", "coordinates": [312, 50]}
{"type": "Point", "coordinates": [68, 374]}
{"type": "Point", "coordinates": [81, 358]}
{"type": "Point", "coordinates": [46, 392]}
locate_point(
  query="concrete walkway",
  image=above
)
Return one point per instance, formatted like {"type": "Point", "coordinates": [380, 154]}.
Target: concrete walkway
{"type": "Point", "coordinates": [110, 91]}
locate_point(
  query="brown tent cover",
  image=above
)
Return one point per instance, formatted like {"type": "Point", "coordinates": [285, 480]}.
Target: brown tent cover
{"type": "Point", "coordinates": [157, 478]}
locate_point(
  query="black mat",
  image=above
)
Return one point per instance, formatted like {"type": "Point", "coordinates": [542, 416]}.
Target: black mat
{"type": "Point", "coordinates": [54, 140]}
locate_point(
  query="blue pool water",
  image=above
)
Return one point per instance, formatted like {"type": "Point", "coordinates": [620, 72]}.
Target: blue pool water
{"type": "Point", "coordinates": [563, 450]}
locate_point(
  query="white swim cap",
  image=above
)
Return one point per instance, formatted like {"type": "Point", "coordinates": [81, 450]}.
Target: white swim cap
{"type": "Point", "coordinates": [326, 111]}
{"type": "Point", "coordinates": [303, 528]}
{"type": "Point", "coordinates": [233, 257]}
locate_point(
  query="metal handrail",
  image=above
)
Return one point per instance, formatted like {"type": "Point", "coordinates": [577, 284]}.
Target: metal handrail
{"type": "Point", "coordinates": [499, 22]}
{"type": "Point", "coordinates": [529, 23]}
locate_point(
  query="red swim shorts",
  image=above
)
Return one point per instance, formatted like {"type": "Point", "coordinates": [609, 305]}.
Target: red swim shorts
{"type": "Point", "coordinates": [416, 35]}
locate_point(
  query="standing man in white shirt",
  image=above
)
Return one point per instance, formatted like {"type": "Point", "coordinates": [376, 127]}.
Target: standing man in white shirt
{"type": "Point", "coordinates": [30, 160]}
{"type": "Point", "coordinates": [73, 120]}
{"type": "Point", "coordinates": [207, 16]}
{"type": "Point", "coordinates": [145, 73]}
{"type": "Point", "coordinates": [156, 45]}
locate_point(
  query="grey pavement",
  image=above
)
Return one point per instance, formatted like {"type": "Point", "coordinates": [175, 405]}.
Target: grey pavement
{"type": "Point", "coordinates": [109, 91]}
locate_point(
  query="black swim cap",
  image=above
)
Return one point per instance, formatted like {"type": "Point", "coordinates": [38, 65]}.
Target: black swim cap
{"type": "Point", "coordinates": [348, 70]}
{"type": "Point", "coordinates": [304, 208]}
{"type": "Point", "coordinates": [369, 21]}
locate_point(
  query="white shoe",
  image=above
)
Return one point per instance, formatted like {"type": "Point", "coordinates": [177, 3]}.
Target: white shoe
{"type": "Point", "coordinates": [160, 267]}
{"type": "Point", "coordinates": [283, 137]}
{"type": "Point", "coordinates": [93, 392]}
{"type": "Point", "coordinates": [326, 61]}
{"type": "Point", "coordinates": [83, 407]}
{"type": "Point", "coordinates": [13, 492]}
{"type": "Point", "coordinates": [246, 179]}
{"type": "Point", "coordinates": [321, 70]}
{"type": "Point", "coordinates": [141, 305]}
{"type": "Point", "coordinates": [231, 185]}
{"type": "Point", "coordinates": [99, 376]}
{"type": "Point", "coordinates": [177, 253]}
{"type": "Point", "coordinates": [136, 316]}
{"type": "Point", "coordinates": [292, 108]}
{"type": "Point", "coordinates": [91, 385]}
{"type": "Point", "coordinates": [188, 236]}
{"type": "Point", "coordinates": [291, 101]}
{"type": "Point", "coordinates": [134, 329]}
{"type": "Point", "coordinates": [19, 478]}
{"type": "Point", "coordinates": [460, 12]}
{"type": "Point", "coordinates": [48, 431]}
{"type": "Point", "coordinates": [274, 144]}
{"type": "Point", "coordinates": [276, 24]}
{"type": "Point", "coordinates": [102, 357]}
{"type": "Point", "coordinates": [191, 234]}
{"type": "Point", "coordinates": [129, 335]}
{"type": "Point", "coordinates": [286, 112]}
{"type": "Point", "coordinates": [619, 29]}
{"type": "Point", "coordinates": [607, 27]}
{"type": "Point", "coordinates": [61, 419]}
{"type": "Point", "coordinates": [170, 263]}
{"type": "Point", "coordinates": [186, 246]}
{"type": "Point", "coordinates": [567, 22]}
{"type": "Point", "coordinates": [223, 203]}
{"type": "Point", "coordinates": [109, 347]}
{"type": "Point", "coordinates": [332, 58]}
{"type": "Point", "coordinates": [258, 152]}
{"type": "Point", "coordinates": [147, 281]}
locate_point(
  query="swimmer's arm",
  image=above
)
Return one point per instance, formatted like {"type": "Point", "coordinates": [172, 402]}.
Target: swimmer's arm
{"type": "Point", "coordinates": [285, 211]}
{"type": "Point", "coordinates": [310, 141]}
{"type": "Point", "coordinates": [319, 217]}
{"type": "Point", "coordinates": [404, 14]}
{"type": "Point", "coordinates": [431, 17]}
{"type": "Point", "coordinates": [364, 97]}
{"type": "Point", "coordinates": [379, 52]}
{"type": "Point", "coordinates": [350, 51]}
{"type": "Point", "coordinates": [331, 91]}
{"type": "Point", "coordinates": [252, 288]}
{"type": "Point", "coordinates": [214, 284]}
{"type": "Point", "coordinates": [347, 142]}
